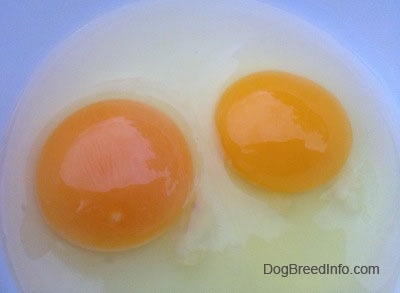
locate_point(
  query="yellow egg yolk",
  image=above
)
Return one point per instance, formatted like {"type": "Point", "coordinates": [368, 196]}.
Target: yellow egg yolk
{"type": "Point", "coordinates": [283, 132]}
{"type": "Point", "coordinates": [114, 175]}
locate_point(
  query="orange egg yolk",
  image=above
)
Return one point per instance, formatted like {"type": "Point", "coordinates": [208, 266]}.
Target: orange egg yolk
{"type": "Point", "coordinates": [282, 132]}
{"type": "Point", "coordinates": [114, 175]}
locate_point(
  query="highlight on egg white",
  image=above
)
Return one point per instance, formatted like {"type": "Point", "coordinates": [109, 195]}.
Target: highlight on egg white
{"type": "Point", "coordinates": [181, 56]}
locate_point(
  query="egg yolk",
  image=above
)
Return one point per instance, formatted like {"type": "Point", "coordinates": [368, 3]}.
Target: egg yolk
{"type": "Point", "coordinates": [282, 132]}
{"type": "Point", "coordinates": [114, 175]}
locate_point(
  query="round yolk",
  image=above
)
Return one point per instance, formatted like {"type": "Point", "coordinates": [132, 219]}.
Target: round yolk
{"type": "Point", "coordinates": [114, 175]}
{"type": "Point", "coordinates": [283, 132]}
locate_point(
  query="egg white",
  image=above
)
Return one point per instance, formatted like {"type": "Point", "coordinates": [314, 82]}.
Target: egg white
{"type": "Point", "coordinates": [180, 56]}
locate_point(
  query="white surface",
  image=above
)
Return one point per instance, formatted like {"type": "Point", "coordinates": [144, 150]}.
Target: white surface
{"type": "Point", "coordinates": [30, 29]}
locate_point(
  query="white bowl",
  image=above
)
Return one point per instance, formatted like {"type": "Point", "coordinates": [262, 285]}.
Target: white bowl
{"type": "Point", "coordinates": [369, 29]}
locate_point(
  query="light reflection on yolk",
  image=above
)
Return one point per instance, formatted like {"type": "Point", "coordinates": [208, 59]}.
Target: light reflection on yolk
{"type": "Point", "coordinates": [114, 175]}
{"type": "Point", "coordinates": [282, 131]}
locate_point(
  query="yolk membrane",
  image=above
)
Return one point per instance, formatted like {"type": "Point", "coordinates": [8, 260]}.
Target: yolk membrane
{"type": "Point", "coordinates": [114, 175]}
{"type": "Point", "coordinates": [283, 132]}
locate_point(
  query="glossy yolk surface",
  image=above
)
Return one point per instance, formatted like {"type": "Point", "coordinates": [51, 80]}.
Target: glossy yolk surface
{"type": "Point", "coordinates": [283, 132]}
{"type": "Point", "coordinates": [114, 175]}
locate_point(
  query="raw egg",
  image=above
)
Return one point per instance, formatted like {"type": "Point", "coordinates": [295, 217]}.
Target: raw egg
{"type": "Point", "coordinates": [113, 175]}
{"type": "Point", "coordinates": [141, 131]}
{"type": "Point", "coordinates": [282, 131]}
